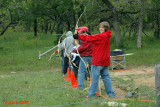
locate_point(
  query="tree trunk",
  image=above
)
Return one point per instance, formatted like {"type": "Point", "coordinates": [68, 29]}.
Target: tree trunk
{"type": "Point", "coordinates": [74, 20]}
{"type": "Point", "coordinates": [42, 28]}
{"type": "Point", "coordinates": [35, 28]}
{"type": "Point", "coordinates": [59, 29]}
{"type": "Point", "coordinates": [116, 28]}
{"type": "Point", "coordinates": [68, 25]}
{"type": "Point", "coordinates": [46, 26]}
{"type": "Point", "coordinates": [13, 28]}
{"type": "Point", "coordinates": [11, 23]}
{"type": "Point", "coordinates": [134, 31]}
{"type": "Point", "coordinates": [158, 23]}
{"type": "Point", "coordinates": [91, 26]}
{"type": "Point", "coordinates": [130, 32]}
{"type": "Point", "coordinates": [115, 21]}
{"type": "Point", "coordinates": [52, 28]}
{"type": "Point", "coordinates": [4, 30]}
{"type": "Point", "coordinates": [140, 26]}
{"type": "Point", "coordinates": [27, 26]}
{"type": "Point", "coordinates": [125, 30]}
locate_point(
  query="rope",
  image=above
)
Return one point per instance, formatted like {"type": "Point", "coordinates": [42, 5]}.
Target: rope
{"type": "Point", "coordinates": [36, 92]}
{"type": "Point", "coordinates": [124, 99]}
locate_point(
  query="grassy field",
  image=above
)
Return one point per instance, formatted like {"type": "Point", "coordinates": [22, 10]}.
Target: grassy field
{"type": "Point", "coordinates": [23, 77]}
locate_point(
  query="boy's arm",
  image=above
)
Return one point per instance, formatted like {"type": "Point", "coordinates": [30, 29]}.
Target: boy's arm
{"type": "Point", "coordinates": [95, 39]}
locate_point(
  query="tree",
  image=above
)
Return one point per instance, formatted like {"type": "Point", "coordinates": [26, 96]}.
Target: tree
{"type": "Point", "coordinates": [115, 21]}
{"type": "Point", "coordinates": [156, 15]}
{"type": "Point", "coordinates": [10, 14]}
{"type": "Point", "coordinates": [140, 26]}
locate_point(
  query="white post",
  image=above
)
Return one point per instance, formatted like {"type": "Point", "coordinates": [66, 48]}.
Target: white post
{"type": "Point", "coordinates": [39, 57]}
{"type": "Point", "coordinates": [157, 84]}
{"type": "Point", "coordinates": [100, 85]}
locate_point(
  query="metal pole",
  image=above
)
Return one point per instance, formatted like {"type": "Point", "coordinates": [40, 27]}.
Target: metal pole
{"type": "Point", "coordinates": [100, 85]}
{"type": "Point", "coordinates": [40, 55]}
{"type": "Point", "coordinates": [157, 84]}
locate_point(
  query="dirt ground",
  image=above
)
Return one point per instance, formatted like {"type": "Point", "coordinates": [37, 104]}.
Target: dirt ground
{"type": "Point", "coordinates": [149, 81]}
{"type": "Point", "coordinates": [140, 76]}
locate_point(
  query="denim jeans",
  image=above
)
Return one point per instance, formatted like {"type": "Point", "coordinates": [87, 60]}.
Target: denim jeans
{"type": "Point", "coordinates": [66, 65]}
{"type": "Point", "coordinates": [75, 70]}
{"type": "Point", "coordinates": [62, 62]}
{"type": "Point", "coordinates": [82, 70]}
{"type": "Point", "coordinates": [96, 71]}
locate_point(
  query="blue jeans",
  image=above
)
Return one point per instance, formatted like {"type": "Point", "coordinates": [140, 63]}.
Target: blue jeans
{"type": "Point", "coordinates": [96, 71]}
{"type": "Point", "coordinates": [82, 70]}
{"type": "Point", "coordinates": [62, 62]}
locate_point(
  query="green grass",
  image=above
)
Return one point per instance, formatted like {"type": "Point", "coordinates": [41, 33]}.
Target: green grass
{"type": "Point", "coordinates": [45, 88]}
{"type": "Point", "coordinates": [20, 52]}
{"type": "Point", "coordinates": [23, 77]}
{"type": "Point", "coordinates": [48, 88]}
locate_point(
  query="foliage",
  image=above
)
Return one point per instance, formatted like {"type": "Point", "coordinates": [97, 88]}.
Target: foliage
{"type": "Point", "coordinates": [59, 16]}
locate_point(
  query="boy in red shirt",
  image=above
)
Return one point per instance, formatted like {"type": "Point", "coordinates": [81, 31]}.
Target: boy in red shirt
{"type": "Point", "coordinates": [100, 59]}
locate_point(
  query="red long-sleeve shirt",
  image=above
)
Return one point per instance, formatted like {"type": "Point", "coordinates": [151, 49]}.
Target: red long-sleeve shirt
{"type": "Point", "coordinates": [101, 49]}
{"type": "Point", "coordinates": [85, 49]}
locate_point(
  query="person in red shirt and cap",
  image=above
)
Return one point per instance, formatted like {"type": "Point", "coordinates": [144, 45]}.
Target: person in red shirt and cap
{"type": "Point", "coordinates": [85, 51]}
{"type": "Point", "coordinates": [100, 59]}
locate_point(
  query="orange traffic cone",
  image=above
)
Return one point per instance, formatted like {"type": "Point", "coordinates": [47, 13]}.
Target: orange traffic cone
{"type": "Point", "coordinates": [68, 75]}
{"type": "Point", "coordinates": [73, 80]}
{"type": "Point", "coordinates": [96, 94]}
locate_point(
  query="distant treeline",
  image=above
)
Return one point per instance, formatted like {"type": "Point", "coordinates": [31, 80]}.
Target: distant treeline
{"type": "Point", "coordinates": [128, 18]}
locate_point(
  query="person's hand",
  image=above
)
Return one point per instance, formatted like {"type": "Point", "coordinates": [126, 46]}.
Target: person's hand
{"type": "Point", "coordinates": [88, 33]}
{"type": "Point", "coordinates": [53, 54]}
{"type": "Point", "coordinates": [75, 36]}
{"type": "Point", "coordinates": [71, 52]}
